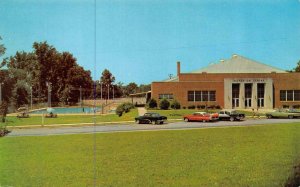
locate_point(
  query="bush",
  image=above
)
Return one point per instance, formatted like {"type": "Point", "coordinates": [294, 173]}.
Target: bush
{"type": "Point", "coordinates": [175, 104]}
{"type": "Point", "coordinates": [124, 107]}
{"type": "Point", "coordinates": [285, 106]}
{"type": "Point", "coordinates": [164, 104]}
{"type": "Point", "coordinates": [191, 107]}
{"type": "Point", "coordinates": [152, 103]}
{"type": "Point", "coordinates": [184, 107]}
{"type": "Point", "coordinates": [296, 106]}
{"type": "Point", "coordinates": [198, 106]}
{"type": "Point", "coordinates": [3, 131]}
{"type": "Point", "coordinates": [218, 107]}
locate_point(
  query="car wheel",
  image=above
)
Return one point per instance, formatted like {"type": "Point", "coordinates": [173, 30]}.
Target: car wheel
{"type": "Point", "coordinates": [231, 118]}
{"type": "Point", "coordinates": [290, 117]}
{"type": "Point", "coordinates": [269, 116]}
{"type": "Point", "coordinates": [137, 121]}
{"type": "Point", "coordinates": [186, 119]}
{"type": "Point", "coordinates": [153, 122]}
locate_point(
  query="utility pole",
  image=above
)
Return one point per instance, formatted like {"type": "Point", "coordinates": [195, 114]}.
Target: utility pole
{"type": "Point", "coordinates": [80, 97]}
{"type": "Point", "coordinates": [30, 97]}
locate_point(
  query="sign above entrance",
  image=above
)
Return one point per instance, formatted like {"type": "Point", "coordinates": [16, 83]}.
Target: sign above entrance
{"type": "Point", "coordinates": [249, 80]}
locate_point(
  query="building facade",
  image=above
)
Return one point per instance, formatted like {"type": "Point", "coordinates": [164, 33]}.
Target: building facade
{"type": "Point", "coordinates": [237, 82]}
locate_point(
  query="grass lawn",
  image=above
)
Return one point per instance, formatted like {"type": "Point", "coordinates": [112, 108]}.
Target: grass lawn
{"type": "Point", "coordinates": [70, 119]}
{"type": "Point", "coordinates": [235, 156]}
{"type": "Point", "coordinates": [178, 114]}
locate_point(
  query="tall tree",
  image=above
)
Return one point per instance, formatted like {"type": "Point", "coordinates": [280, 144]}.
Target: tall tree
{"type": "Point", "coordinates": [107, 80]}
{"type": "Point", "coordinates": [130, 88]}
{"type": "Point", "coordinates": [2, 48]}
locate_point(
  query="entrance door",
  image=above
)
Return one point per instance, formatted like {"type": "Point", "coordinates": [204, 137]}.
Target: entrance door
{"type": "Point", "coordinates": [235, 102]}
{"type": "Point", "coordinates": [248, 102]}
{"type": "Point", "coordinates": [260, 102]}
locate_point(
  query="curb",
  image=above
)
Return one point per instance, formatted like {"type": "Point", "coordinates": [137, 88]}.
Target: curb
{"type": "Point", "coordinates": [66, 125]}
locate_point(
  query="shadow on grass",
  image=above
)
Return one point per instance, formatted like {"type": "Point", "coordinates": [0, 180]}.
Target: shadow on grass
{"type": "Point", "coordinates": [294, 180]}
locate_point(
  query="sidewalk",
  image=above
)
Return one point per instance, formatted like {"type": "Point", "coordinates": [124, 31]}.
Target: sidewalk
{"type": "Point", "coordinates": [141, 111]}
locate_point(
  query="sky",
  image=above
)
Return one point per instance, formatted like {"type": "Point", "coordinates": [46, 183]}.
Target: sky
{"type": "Point", "coordinates": [141, 41]}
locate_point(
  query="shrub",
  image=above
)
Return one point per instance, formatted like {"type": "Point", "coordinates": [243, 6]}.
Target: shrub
{"type": "Point", "coordinates": [152, 103]}
{"type": "Point", "coordinates": [202, 106]}
{"type": "Point", "coordinates": [124, 107]}
{"type": "Point", "coordinates": [198, 106]}
{"type": "Point", "coordinates": [175, 104]}
{"type": "Point", "coordinates": [164, 104]}
{"type": "Point", "coordinates": [285, 106]}
{"type": "Point", "coordinates": [3, 131]}
{"type": "Point", "coordinates": [191, 107]}
{"type": "Point", "coordinates": [184, 107]}
{"type": "Point", "coordinates": [218, 107]}
{"type": "Point", "coordinates": [296, 106]}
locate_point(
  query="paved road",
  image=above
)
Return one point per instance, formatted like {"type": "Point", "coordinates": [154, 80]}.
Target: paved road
{"type": "Point", "coordinates": [44, 131]}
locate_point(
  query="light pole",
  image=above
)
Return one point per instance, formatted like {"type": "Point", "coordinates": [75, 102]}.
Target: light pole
{"type": "Point", "coordinates": [101, 90]}
{"type": "Point", "coordinates": [30, 97]}
{"type": "Point", "coordinates": [49, 93]}
{"type": "Point", "coordinates": [1, 92]}
{"type": "Point", "coordinates": [113, 92]}
{"type": "Point", "coordinates": [80, 97]}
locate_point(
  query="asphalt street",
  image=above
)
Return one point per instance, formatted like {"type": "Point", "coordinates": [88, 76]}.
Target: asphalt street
{"type": "Point", "coordinates": [46, 131]}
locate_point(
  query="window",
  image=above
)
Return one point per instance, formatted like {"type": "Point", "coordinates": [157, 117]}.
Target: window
{"type": "Point", "coordinates": [191, 95]}
{"type": "Point", "coordinates": [282, 95]}
{"type": "Point", "coordinates": [165, 96]}
{"type": "Point", "coordinates": [260, 90]}
{"type": "Point", "coordinates": [198, 96]}
{"type": "Point", "coordinates": [202, 95]}
{"type": "Point", "coordinates": [296, 95]}
{"type": "Point", "coordinates": [289, 95]}
{"type": "Point", "coordinates": [235, 90]}
{"type": "Point", "coordinates": [212, 95]}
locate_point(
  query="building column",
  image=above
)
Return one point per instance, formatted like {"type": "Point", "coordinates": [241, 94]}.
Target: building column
{"type": "Point", "coordinates": [227, 93]}
{"type": "Point", "coordinates": [268, 97]}
{"type": "Point", "coordinates": [254, 95]}
{"type": "Point", "coordinates": [242, 96]}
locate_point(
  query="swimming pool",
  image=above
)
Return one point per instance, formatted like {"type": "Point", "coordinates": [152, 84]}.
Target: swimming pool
{"type": "Point", "coordinates": [68, 110]}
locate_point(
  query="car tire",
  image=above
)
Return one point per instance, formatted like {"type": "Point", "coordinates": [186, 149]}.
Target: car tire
{"type": "Point", "coordinates": [231, 118]}
{"type": "Point", "coordinates": [290, 117]}
{"type": "Point", "coordinates": [186, 119]}
{"type": "Point", "coordinates": [153, 122]}
{"type": "Point", "coordinates": [137, 121]}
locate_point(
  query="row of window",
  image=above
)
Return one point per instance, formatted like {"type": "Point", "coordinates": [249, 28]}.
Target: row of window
{"type": "Point", "coordinates": [165, 96]}
{"type": "Point", "coordinates": [202, 95]}
{"type": "Point", "coordinates": [289, 95]}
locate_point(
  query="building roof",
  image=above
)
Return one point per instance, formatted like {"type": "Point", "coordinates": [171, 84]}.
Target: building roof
{"type": "Point", "coordinates": [239, 64]}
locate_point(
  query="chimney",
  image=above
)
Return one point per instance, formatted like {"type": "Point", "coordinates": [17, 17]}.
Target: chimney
{"type": "Point", "coordinates": [178, 68]}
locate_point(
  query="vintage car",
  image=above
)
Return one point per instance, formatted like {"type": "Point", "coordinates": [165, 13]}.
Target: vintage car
{"type": "Point", "coordinates": [201, 116]}
{"type": "Point", "coordinates": [231, 115]}
{"type": "Point", "coordinates": [283, 113]}
{"type": "Point", "coordinates": [151, 117]}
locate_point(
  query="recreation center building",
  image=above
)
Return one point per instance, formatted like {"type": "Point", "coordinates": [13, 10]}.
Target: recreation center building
{"type": "Point", "coordinates": [237, 82]}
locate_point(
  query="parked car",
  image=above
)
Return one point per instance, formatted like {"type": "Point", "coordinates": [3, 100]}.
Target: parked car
{"type": "Point", "coordinates": [231, 115]}
{"type": "Point", "coordinates": [151, 117]}
{"type": "Point", "coordinates": [284, 113]}
{"type": "Point", "coordinates": [201, 116]}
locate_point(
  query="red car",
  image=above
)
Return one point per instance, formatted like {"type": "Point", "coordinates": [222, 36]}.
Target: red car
{"type": "Point", "coordinates": [201, 116]}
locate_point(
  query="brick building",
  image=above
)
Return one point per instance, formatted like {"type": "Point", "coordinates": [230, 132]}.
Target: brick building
{"type": "Point", "coordinates": [237, 82]}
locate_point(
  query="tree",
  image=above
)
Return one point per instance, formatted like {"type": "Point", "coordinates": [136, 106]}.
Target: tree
{"type": "Point", "coordinates": [297, 69]}
{"type": "Point", "coordinates": [2, 48]}
{"type": "Point", "coordinates": [130, 88]}
{"type": "Point", "coordinates": [107, 79]}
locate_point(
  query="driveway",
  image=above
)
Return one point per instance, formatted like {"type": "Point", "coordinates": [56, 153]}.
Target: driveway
{"type": "Point", "coordinates": [45, 131]}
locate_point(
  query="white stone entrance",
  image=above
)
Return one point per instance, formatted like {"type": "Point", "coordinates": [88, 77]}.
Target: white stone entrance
{"type": "Point", "coordinates": [248, 92]}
